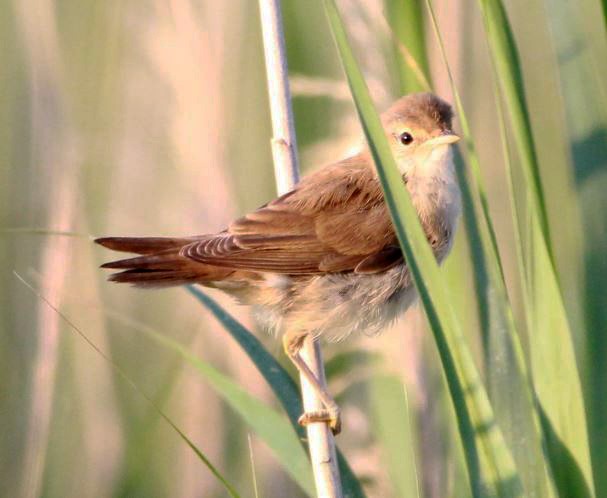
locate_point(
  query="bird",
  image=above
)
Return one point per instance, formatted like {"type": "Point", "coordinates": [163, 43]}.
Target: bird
{"type": "Point", "coordinates": [323, 260]}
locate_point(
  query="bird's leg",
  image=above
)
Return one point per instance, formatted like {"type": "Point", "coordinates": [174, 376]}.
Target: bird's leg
{"type": "Point", "coordinates": [292, 343]}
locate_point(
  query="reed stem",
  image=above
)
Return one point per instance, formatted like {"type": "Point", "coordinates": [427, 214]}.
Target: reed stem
{"type": "Point", "coordinates": [284, 150]}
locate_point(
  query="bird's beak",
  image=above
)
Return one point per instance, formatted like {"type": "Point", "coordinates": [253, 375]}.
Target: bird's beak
{"type": "Point", "coordinates": [445, 138]}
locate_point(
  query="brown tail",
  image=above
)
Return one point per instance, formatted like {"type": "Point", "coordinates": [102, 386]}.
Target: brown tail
{"type": "Point", "coordinates": [159, 263]}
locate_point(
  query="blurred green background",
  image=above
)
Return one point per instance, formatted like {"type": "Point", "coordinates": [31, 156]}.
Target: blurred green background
{"type": "Point", "coordinates": [151, 118]}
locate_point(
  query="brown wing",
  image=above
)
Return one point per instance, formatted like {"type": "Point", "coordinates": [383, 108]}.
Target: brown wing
{"type": "Point", "coordinates": [334, 221]}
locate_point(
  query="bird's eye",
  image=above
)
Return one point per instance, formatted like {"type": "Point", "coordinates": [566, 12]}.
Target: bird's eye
{"type": "Point", "coordinates": [405, 138]}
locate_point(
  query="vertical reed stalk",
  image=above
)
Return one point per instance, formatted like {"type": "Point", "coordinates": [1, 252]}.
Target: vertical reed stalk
{"type": "Point", "coordinates": [284, 150]}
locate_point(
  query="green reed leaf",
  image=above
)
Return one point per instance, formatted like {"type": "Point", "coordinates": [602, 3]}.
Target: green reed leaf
{"type": "Point", "coordinates": [553, 363]}
{"type": "Point", "coordinates": [490, 466]}
{"type": "Point", "coordinates": [508, 68]}
{"type": "Point", "coordinates": [585, 132]}
{"type": "Point", "coordinates": [406, 19]}
{"type": "Point", "coordinates": [509, 383]}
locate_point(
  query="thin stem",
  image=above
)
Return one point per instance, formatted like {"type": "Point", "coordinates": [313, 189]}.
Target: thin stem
{"type": "Point", "coordinates": [284, 143]}
{"type": "Point", "coordinates": [284, 150]}
{"type": "Point", "coordinates": [253, 472]}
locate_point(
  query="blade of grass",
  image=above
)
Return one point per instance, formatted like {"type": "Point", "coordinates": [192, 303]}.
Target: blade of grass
{"type": "Point", "coordinates": [509, 383]}
{"type": "Point", "coordinates": [228, 487]}
{"type": "Point", "coordinates": [563, 468]}
{"type": "Point", "coordinates": [406, 19]}
{"type": "Point", "coordinates": [277, 377]}
{"type": "Point", "coordinates": [253, 472]}
{"type": "Point", "coordinates": [491, 250]}
{"type": "Point", "coordinates": [490, 466]}
{"type": "Point", "coordinates": [553, 363]}
{"type": "Point", "coordinates": [508, 69]}
{"type": "Point", "coordinates": [586, 127]}
{"type": "Point", "coordinates": [557, 381]}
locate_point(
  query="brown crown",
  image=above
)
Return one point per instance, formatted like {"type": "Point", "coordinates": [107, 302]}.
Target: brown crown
{"type": "Point", "coordinates": [423, 110]}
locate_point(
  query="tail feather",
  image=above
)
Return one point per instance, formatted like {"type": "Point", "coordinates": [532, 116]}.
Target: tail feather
{"type": "Point", "coordinates": [159, 263]}
{"type": "Point", "coordinates": [155, 278]}
{"type": "Point", "coordinates": [142, 245]}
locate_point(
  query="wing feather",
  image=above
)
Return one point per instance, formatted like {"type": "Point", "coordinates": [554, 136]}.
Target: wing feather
{"type": "Point", "coordinates": [333, 221]}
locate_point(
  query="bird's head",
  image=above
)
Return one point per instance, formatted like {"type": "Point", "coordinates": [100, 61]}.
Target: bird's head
{"type": "Point", "coordinates": [419, 129]}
